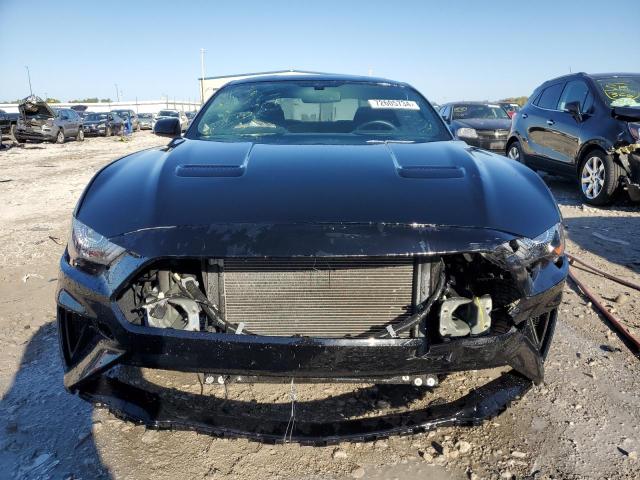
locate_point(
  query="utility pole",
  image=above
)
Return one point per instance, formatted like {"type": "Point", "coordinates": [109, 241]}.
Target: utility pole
{"type": "Point", "coordinates": [117, 92]}
{"type": "Point", "coordinates": [202, 50]}
{"type": "Point", "coordinates": [29, 77]}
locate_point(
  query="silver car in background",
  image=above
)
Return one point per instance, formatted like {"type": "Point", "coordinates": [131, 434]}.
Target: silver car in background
{"type": "Point", "coordinates": [145, 120]}
{"type": "Point", "coordinates": [39, 122]}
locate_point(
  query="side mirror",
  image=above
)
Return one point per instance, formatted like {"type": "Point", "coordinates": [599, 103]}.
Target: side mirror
{"type": "Point", "coordinates": [574, 109]}
{"type": "Point", "coordinates": [168, 127]}
{"type": "Point", "coordinates": [444, 118]}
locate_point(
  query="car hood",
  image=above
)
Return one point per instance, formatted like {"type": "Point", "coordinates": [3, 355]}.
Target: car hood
{"type": "Point", "coordinates": [484, 123]}
{"type": "Point", "coordinates": [33, 105]}
{"type": "Point", "coordinates": [94, 122]}
{"type": "Point", "coordinates": [213, 188]}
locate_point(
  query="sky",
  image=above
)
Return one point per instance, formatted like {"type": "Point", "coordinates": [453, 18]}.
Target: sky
{"type": "Point", "coordinates": [449, 50]}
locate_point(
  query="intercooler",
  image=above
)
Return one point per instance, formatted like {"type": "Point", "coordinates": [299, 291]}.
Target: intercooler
{"type": "Point", "coordinates": [318, 297]}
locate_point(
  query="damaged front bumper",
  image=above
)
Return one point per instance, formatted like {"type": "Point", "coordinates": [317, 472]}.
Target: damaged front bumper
{"type": "Point", "coordinates": [96, 336]}
{"type": "Point", "coordinates": [632, 160]}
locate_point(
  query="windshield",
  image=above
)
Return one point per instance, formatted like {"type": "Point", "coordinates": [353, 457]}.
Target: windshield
{"type": "Point", "coordinates": [462, 112]}
{"type": "Point", "coordinates": [168, 113]}
{"type": "Point", "coordinates": [356, 110]}
{"type": "Point", "coordinates": [96, 116]}
{"type": "Point", "coordinates": [121, 113]}
{"type": "Point", "coordinates": [621, 91]}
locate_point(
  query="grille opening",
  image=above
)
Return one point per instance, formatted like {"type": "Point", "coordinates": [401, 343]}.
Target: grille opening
{"type": "Point", "coordinates": [322, 297]}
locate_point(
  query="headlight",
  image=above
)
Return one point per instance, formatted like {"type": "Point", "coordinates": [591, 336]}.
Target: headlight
{"type": "Point", "coordinates": [467, 133]}
{"type": "Point", "coordinates": [88, 245]}
{"type": "Point", "coordinates": [525, 252]}
{"type": "Point", "coordinates": [634, 130]}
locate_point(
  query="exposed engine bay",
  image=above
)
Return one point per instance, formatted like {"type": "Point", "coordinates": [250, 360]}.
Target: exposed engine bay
{"type": "Point", "coordinates": [440, 298]}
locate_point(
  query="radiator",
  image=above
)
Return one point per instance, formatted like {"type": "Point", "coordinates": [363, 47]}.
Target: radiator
{"type": "Point", "coordinates": [317, 297]}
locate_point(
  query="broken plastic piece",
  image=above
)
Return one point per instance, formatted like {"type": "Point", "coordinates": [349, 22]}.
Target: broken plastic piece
{"type": "Point", "coordinates": [392, 332]}
{"type": "Point", "coordinates": [449, 325]}
{"type": "Point", "coordinates": [461, 316]}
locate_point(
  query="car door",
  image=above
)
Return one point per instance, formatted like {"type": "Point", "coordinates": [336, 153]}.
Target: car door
{"type": "Point", "coordinates": [63, 121]}
{"type": "Point", "coordinates": [542, 145]}
{"type": "Point", "coordinates": [74, 122]}
{"type": "Point", "coordinates": [568, 127]}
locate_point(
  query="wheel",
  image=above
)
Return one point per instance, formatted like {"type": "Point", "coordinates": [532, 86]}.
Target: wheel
{"type": "Point", "coordinates": [107, 132]}
{"type": "Point", "coordinates": [514, 152]}
{"type": "Point", "coordinates": [599, 178]}
{"type": "Point", "coordinates": [80, 136]}
{"type": "Point", "coordinates": [20, 139]}
{"type": "Point", "coordinates": [60, 137]}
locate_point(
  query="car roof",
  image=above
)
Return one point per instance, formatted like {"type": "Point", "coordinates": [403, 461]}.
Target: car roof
{"type": "Point", "coordinates": [317, 78]}
{"type": "Point", "coordinates": [594, 76]}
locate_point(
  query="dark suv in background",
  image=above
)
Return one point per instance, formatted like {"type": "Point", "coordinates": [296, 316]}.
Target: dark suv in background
{"type": "Point", "coordinates": [585, 127]}
{"type": "Point", "coordinates": [483, 125]}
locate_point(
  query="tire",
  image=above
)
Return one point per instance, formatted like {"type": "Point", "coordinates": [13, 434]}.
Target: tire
{"type": "Point", "coordinates": [80, 136]}
{"type": "Point", "coordinates": [60, 138]}
{"type": "Point", "coordinates": [599, 178]}
{"type": "Point", "coordinates": [20, 139]}
{"type": "Point", "coordinates": [514, 152]}
{"type": "Point", "coordinates": [107, 131]}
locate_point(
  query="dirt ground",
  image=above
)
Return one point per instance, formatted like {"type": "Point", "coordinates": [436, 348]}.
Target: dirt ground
{"type": "Point", "coordinates": [582, 423]}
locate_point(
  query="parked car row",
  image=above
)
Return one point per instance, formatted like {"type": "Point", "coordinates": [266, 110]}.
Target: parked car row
{"type": "Point", "coordinates": [39, 121]}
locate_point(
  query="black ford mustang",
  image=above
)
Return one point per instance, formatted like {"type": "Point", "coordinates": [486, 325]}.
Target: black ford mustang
{"type": "Point", "coordinates": [317, 227]}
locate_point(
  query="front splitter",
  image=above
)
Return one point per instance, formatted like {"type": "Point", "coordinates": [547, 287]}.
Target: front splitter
{"type": "Point", "coordinates": [187, 412]}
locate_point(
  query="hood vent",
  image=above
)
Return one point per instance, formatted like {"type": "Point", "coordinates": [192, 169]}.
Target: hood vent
{"type": "Point", "coordinates": [210, 170]}
{"type": "Point", "coordinates": [418, 171]}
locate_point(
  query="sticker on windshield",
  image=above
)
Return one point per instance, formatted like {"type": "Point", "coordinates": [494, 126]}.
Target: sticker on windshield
{"type": "Point", "coordinates": [393, 104]}
{"type": "Point", "coordinates": [618, 90]}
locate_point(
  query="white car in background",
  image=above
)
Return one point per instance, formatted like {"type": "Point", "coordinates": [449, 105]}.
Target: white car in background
{"type": "Point", "coordinates": [184, 121]}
